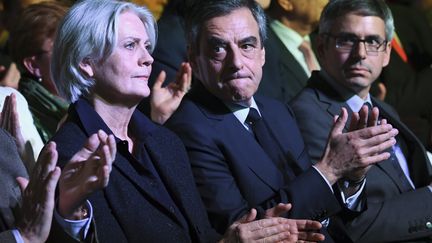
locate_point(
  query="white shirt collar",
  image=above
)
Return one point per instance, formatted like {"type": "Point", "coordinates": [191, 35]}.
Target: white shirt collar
{"type": "Point", "coordinates": [354, 101]}
{"type": "Point", "coordinates": [241, 110]}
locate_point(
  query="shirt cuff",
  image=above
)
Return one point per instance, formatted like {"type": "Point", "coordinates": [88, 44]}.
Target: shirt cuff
{"type": "Point", "coordinates": [17, 235]}
{"type": "Point", "coordinates": [78, 229]}
{"type": "Point", "coordinates": [353, 201]}
{"type": "Point", "coordinates": [325, 179]}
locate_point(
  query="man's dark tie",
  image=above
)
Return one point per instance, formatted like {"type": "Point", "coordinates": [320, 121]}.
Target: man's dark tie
{"type": "Point", "coordinates": [267, 141]}
{"type": "Point", "coordinates": [394, 160]}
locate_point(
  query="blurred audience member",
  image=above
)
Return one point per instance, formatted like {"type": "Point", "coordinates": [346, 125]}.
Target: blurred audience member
{"type": "Point", "coordinates": [289, 54]}
{"type": "Point", "coordinates": [104, 71]}
{"type": "Point", "coordinates": [426, 7]}
{"type": "Point", "coordinates": [31, 43]}
{"type": "Point", "coordinates": [155, 6]}
{"type": "Point", "coordinates": [20, 119]}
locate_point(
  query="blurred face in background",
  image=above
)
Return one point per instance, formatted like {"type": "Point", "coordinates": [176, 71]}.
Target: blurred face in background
{"type": "Point", "coordinates": [308, 11]}
{"type": "Point", "coordinates": [155, 6]}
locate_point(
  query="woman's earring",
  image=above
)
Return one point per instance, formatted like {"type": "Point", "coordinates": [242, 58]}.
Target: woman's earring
{"type": "Point", "coordinates": [40, 79]}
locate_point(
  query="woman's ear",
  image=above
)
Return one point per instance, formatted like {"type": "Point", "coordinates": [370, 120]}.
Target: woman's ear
{"type": "Point", "coordinates": [32, 66]}
{"type": "Point", "coordinates": [86, 67]}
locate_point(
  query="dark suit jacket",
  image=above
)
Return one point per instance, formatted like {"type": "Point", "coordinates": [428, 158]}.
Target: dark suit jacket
{"type": "Point", "coordinates": [127, 209]}
{"type": "Point", "coordinates": [283, 77]}
{"type": "Point", "coordinates": [409, 84]}
{"type": "Point", "coordinates": [11, 167]}
{"type": "Point", "coordinates": [393, 212]}
{"type": "Point", "coordinates": [232, 171]}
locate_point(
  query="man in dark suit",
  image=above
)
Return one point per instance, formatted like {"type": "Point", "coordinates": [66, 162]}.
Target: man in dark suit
{"type": "Point", "coordinates": [353, 47]}
{"type": "Point", "coordinates": [239, 160]}
{"type": "Point", "coordinates": [289, 56]}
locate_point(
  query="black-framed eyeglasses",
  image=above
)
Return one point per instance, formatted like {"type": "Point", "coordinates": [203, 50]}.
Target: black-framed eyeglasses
{"type": "Point", "coordinates": [346, 43]}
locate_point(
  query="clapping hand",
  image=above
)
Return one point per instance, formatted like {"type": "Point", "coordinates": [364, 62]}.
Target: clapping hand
{"type": "Point", "coordinates": [87, 171]}
{"type": "Point", "coordinates": [164, 101]}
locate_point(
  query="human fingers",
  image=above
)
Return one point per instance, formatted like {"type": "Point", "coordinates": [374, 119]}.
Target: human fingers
{"type": "Point", "coordinates": [278, 210]}
{"type": "Point", "coordinates": [249, 217]}
{"type": "Point", "coordinates": [112, 146]}
{"type": "Point", "coordinates": [90, 146]}
{"type": "Point", "coordinates": [373, 117]}
{"type": "Point", "coordinates": [308, 230]}
{"type": "Point", "coordinates": [269, 222]}
{"type": "Point", "coordinates": [186, 78]}
{"type": "Point", "coordinates": [14, 119]}
{"type": "Point", "coordinates": [46, 162]}
{"type": "Point", "coordinates": [305, 224]}
{"type": "Point", "coordinates": [310, 237]}
{"type": "Point", "coordinates": [22, 182]}
{"type": "Point", "coordinates": [355, 120]}
{"type": "Point", "coordinates": [159, 81]}
{"type": "Point", "coordinates": [50, 185]}
{"type": "Point", "coordinates": [6, 112]}
{"type": "Point", "coordinates": [265, 228]}
{"type": "Point", "coordinates": [370, 132]}
{"type": "Point", "coordinates": [339, 125]}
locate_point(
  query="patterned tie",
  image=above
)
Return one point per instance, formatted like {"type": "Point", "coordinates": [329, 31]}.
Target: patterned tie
{"type": "Point", "coordinates": [308, 55]}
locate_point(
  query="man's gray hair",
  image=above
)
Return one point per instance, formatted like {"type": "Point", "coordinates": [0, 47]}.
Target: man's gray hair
{"type": "Point", "coordinates": [337, 8]}
{"type": "Point", "coordinates": [89, 33]}
{"type": "Point", "coordinates": [204, 10]}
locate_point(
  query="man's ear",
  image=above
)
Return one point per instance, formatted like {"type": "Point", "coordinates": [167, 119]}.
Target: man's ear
{"type": "Point", "coordinates": [86, 67]}
{"type": "Point", "coordinates": [387, 54]}
{"type": "Point", "coordinates": [286, 5]}
{"type": "Point", "coordinates": [32, 66]}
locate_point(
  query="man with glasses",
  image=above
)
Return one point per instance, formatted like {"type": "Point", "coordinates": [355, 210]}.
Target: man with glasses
{"type": "Point", "coordinates": [246, 150]}
{"type": "Point", "coordinates": [353, 47]}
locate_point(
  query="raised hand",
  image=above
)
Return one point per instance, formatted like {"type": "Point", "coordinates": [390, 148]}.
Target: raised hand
{"type": "Point", "coordinates": [38, 196]}
{"type": "Point", "coordinates": [164, 101]}
{"type": "Point", "coordinates": [86, 172]}
{"type": "Point", "coordinates": [354, 150]}
{"type": "Point", "coordinates": [9, 121]}
{"type": "Point", "coordinates": [272, 228]}
{"type": "Point", "coordinates": [306, 228]}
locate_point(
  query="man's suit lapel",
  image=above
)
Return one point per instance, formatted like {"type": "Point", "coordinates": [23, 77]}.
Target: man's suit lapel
{"type": "Point", "coordinates": [329, 97]}
{"type": "Point", "coordinates": [272, 123]}
{"type": "Point", "coordinates": [227, 124]}
{"type": "Point", "coordinates": [418, 163]}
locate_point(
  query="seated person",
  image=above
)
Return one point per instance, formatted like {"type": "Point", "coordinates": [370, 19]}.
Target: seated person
{"type": "Point", "coordinates": [30, 143]}
{"type": "Point", "coordinates": [151, 194]}
{"type": "Point", "coordinates": [246, 150]}
{"type": "Point", "coordinates": [26, 216]}
{"type": "Point", "coordinates": [354, 46]}
{"type": "Point", "coordinates": [31, 42]}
